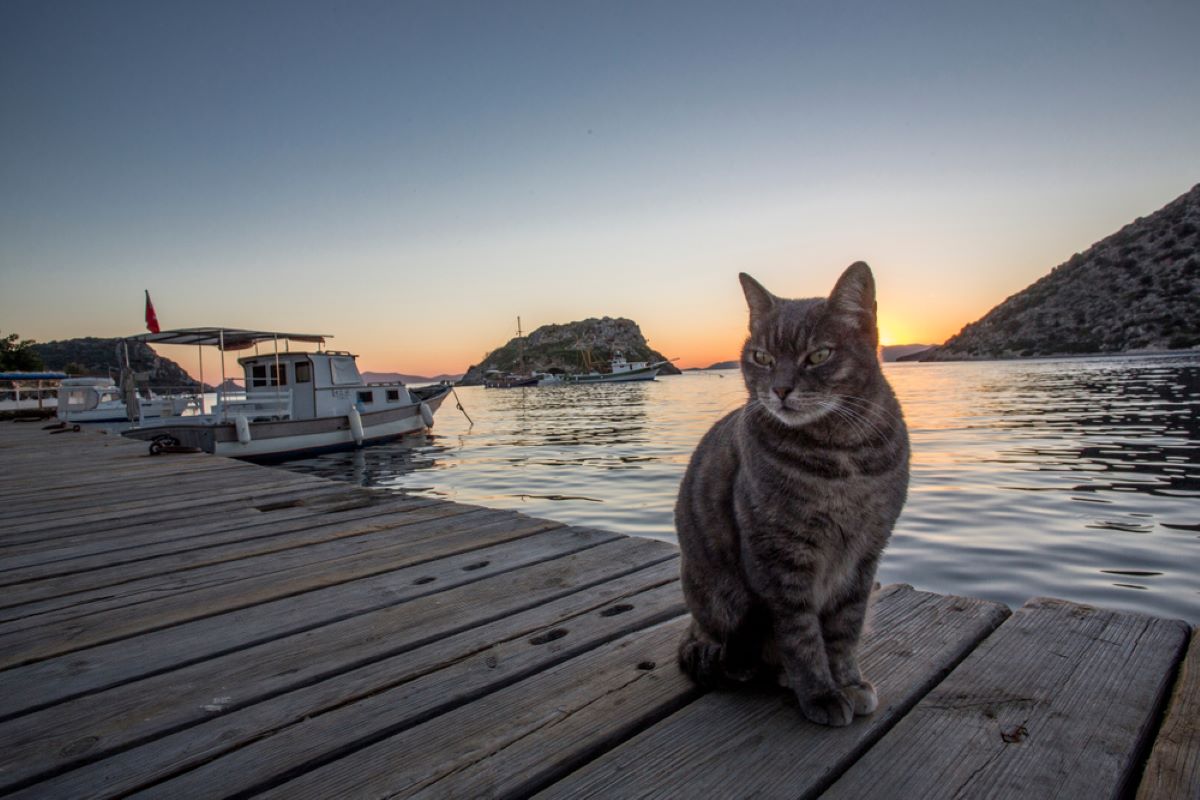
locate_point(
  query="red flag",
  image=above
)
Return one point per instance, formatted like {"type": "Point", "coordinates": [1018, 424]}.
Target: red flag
{"type": "Point", "coordinates": [151, 317]}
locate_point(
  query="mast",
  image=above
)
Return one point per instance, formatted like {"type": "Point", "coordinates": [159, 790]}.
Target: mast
{"type": "Point", "coordinates": [520, 349]}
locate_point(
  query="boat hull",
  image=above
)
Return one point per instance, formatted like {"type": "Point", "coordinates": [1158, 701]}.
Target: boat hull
{"type": "Point", "coordinates": [273, 440]}
{"type": "Point", "coordinates": [647, 374]}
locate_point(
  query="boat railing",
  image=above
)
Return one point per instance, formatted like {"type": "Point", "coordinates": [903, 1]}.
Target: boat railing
{"type": "Point", "coordinates": [269, 404]}
{"type": "Point", "coordinates": [23, 391]}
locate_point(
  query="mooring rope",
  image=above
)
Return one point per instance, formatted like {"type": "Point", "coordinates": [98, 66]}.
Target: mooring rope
{"type": "Point", "coordinates": [459, 405]}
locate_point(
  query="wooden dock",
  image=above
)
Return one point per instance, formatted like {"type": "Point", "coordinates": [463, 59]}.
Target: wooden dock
{"type": "Point", "coordinates": [186, 626]}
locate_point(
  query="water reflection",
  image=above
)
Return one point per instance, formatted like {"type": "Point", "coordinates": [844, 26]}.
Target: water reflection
{"type": "Point", "coordinates": [1074, 479]}
{"type": "Point", "coordinates": [1077, 478]}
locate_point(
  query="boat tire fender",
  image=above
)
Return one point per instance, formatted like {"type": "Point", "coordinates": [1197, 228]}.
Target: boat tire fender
{"type": "Point", "coordinates": [356, 426]}
{"type": "Point", "coordinates": [426, 414]}
{"type": "Point", "coordinates": [243, 429]}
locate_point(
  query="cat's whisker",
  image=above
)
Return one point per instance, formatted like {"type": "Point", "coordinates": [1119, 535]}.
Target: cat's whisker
{"type": "Point", "coordinates": [863, 427]}
{"type": "Point", "coordinates": [873, 406]}
{"type": "Point", "coordinates": [863, 423]}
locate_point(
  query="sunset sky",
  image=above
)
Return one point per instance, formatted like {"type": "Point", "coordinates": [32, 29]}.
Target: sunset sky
{"type": "Point", "coordinates": [412, 176]}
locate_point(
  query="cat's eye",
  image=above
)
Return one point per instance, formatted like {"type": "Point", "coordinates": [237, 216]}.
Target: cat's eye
{"type": "Point", "coordinates": [763, 357]}
{"type": "Point", "coordinates": [819, 356]}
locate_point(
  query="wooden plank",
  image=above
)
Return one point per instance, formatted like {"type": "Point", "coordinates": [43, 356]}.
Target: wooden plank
{"type": "Point", "coordinates": [1173, 770]}
{"type": "Point", "coordinates": [755, 743]}
{"type": "Point", "coordinates": [72, 471]}
{"type": "Point", "coordinates": [310, 725]}
{"type": "Point", "coordinates": [59, 590]}
{"type": "Point", "coordinates": [507, 742]}
{"type": "Point", "coordinates": [374, 538]}
{"type": "Point", "coordinates": [163, 516]}
{"type": "Point", "coordinates": [1057, 703]}
{"type": "Point", "coordinates": [84, 553]}
{"type": "Point", "coordinates": [80, 730]}
{"type": "Point", "coordinates": [566, 552]}
{"type": "Point", "coordinates": [50, 507]}
{"type": "Point", "coordinates": [155, 509]}
{"type": "Point", "coordinates": [225, 587]}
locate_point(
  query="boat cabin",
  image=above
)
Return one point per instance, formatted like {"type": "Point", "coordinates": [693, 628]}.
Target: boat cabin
{"type": "Point", "coordinates": [76, 395]}
{"type": "Point", "coordinates": [295, 385]}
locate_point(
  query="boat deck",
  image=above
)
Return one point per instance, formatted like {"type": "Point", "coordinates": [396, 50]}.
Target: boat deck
{"type": "Point", "coordinates": [191, 626]}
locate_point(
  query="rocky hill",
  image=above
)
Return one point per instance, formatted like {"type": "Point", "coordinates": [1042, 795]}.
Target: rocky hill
{"type": "Point", "coordinates": [1139, 289]}
{"type": "Point", "coordinates": [562, 348]}
{"type": "Point", "coordinates": [92, 356]}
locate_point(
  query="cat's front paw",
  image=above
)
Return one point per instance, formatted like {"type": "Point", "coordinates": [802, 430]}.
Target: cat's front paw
{"type": "Point", "coordinates": [862, 697]}
{"type": "Point", "coordinates": [827, 708]}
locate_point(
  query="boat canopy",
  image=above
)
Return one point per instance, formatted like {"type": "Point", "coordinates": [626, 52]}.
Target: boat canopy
{"type": "Point", "coordinates": [32, 376]}
{"type": "Point", "coordinates": [226, 338]}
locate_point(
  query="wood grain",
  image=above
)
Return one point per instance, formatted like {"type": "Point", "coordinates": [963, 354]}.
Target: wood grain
{"type": "Point", "coordinates": [1058, 702]}
{"type": "Point", "coordinates": [755, 743]}
{"type": "Point", "coordinates": [1173, 770]}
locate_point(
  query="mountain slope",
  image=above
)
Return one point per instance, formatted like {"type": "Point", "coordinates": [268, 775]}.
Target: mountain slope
{"type": "Point", "coordinates": [1138, 289]}
{"type": "Point", "coordinates": [92, 356]}
{"type": "Point", "coordinates": [561, 348]}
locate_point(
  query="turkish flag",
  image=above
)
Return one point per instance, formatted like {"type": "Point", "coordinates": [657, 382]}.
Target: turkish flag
{"type": "Point", "coordinates": [151, 317]}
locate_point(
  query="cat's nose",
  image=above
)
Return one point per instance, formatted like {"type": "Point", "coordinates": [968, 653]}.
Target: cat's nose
{"type": "Point", "coordinates": [782, 391]}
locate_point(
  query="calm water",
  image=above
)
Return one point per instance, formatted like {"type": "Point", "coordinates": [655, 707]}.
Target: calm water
{"type": "Point", "coordinates": [1070, 478]}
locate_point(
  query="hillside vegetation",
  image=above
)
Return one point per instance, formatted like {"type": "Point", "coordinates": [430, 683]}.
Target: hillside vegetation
{"type": "Point", "coordinates": [99, 357]}
{"type": "Point", "coordinates": [561, 348]}
{"type": "Point", "coordinates": [1138, 289]}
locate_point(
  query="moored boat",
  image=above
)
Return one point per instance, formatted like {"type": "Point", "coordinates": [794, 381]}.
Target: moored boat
{"type": "Point", "coordinates": [294, 402]}
{"type": "Point", "coordinates": [621, 371]}
{"type": "Point", "coordinates": [102, 400]}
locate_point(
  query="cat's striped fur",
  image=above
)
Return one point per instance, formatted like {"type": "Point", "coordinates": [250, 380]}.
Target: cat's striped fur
{"type": "Point", "coordinates": [788, 502]}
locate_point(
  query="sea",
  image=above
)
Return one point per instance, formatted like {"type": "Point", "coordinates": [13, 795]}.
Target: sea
{"type": "Point", "coordinates": [1071, 478]}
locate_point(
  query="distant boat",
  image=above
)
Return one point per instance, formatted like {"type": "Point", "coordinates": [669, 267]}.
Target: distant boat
{"type": "Point", "coordinates": [549, 379]}
{"type": "Point", "coordinates": [294, 402]}
{"type": "Point", "coordinates": [507, 380]}
{"type": "Point", "coordinates": [621, 371]}
{"type": "Point", "coordinates": [102, 400]}
{"type": "Point", "coordinates": [495, 379]}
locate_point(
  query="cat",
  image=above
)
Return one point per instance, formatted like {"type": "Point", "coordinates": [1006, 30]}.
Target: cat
{"type": "Point", "coordinates": [787, 503]}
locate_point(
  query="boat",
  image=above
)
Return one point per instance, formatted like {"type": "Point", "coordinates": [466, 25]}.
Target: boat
{"type": "Point", "coordinates": [497, 379]}
{"type": "Point", "coordinates": [620, 371]}
{"type": "Point", "coordinates": [295, 402]}
{"type": "Point", "coordinates": [102, 400]}
{"type": "Point", "coordinates": [494, 379]}
{"type": "Point", "coordinates": [549, 378]}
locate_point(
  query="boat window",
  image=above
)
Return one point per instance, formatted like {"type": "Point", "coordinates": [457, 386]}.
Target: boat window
{"type": "Point", "coordinates": [266, 375]}
{"type": "Point", "coordinates": [393, 395]}
{"type": "Point", "coordinates": [366, 397]}
{"type": "Point", "coordinates": [303, 372]}
{"type": "Point", "coordinates": [343, 371]}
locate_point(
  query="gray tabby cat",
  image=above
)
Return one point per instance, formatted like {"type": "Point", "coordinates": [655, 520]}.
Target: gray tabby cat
{"type": "Point", "coordinates": [788, 502]}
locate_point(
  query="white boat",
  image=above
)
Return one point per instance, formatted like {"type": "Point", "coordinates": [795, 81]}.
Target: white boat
{"type": "Point", "coordinates": [294, 402]}
{"type": "Point", "coordinates": [102, 400]}
{"type": "Point", "coordinates": [549, 379]}
{"type": "Point", "coordinates": [621, 371]}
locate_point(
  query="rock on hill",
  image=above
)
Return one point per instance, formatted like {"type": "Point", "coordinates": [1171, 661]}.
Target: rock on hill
{"type": "Point", "coordinates": [1139, 289]}
{"type": "Point", "coordinates": [92, 356]}
{"type": "Point", "coordinates": [561, 347]}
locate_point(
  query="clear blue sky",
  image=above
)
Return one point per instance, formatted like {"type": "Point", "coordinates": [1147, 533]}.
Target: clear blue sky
{"type": "Point", "coordinates": [412, 176]}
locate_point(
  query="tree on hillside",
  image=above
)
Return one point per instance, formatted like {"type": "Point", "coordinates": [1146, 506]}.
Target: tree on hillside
{"type": "Point", "coordinates": [17, 354]}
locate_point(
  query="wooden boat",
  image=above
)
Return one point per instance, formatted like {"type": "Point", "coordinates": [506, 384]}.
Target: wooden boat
{"type": "Point", "coordinates": [294, 402]}
{"type": "Point", "coordinates": [621, 371]}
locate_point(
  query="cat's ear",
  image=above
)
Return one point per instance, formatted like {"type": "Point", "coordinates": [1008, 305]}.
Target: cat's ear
{"type": "Point", "coordinates": [759, 299]}
{"type": "Point", "coordinates": [854, 294]}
